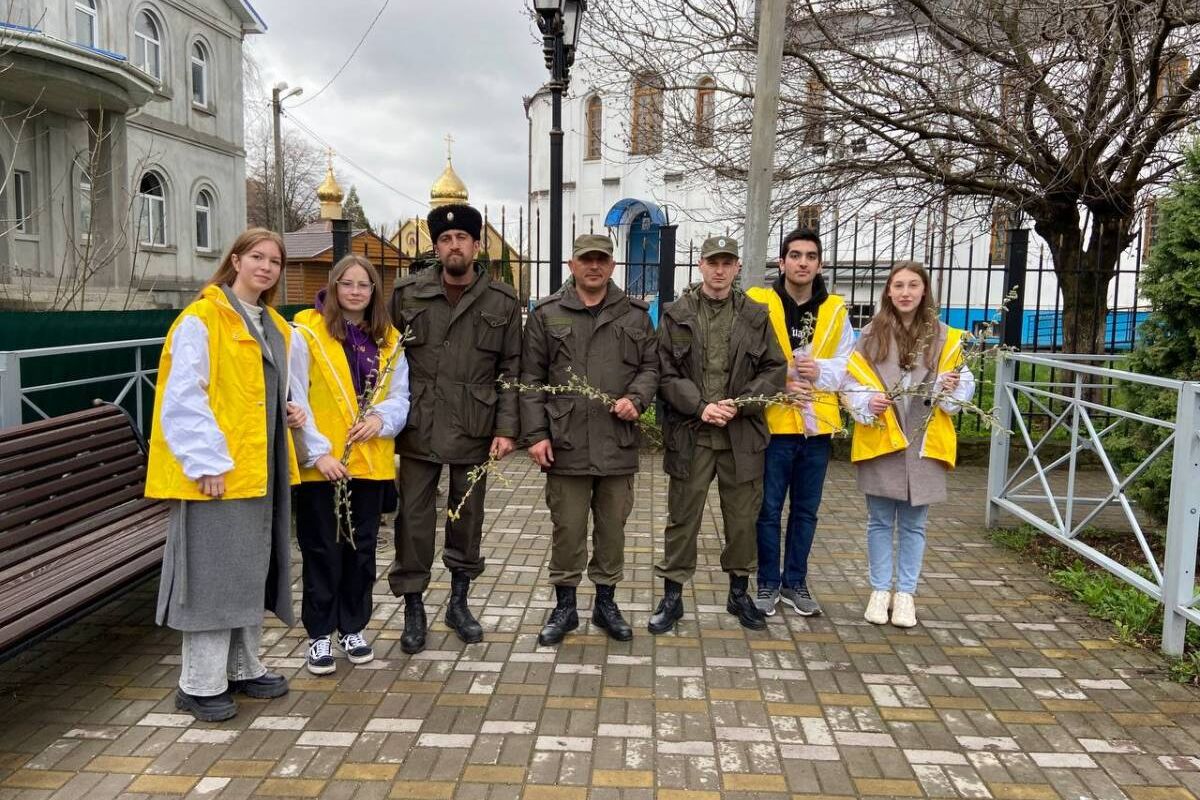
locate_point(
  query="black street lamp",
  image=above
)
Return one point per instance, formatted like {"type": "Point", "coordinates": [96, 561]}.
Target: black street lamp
{"type": "Point", "coordinates": [559, 21]}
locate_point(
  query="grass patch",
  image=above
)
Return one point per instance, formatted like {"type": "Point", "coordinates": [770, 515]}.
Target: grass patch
{"type": "Point", "coordinates": [1136, 617]}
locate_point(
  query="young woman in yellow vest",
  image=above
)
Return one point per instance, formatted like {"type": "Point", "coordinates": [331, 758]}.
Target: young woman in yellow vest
{"type": "Point", "coordinates": [344, 347]}
{"type": "Point", "coordinates": [221, 451]}
{"type": "Point", "coordinates": [904, 444]}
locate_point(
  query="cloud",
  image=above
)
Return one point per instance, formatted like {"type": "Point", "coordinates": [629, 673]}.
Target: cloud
{"type": "Point", "coordinates": [457, 67]}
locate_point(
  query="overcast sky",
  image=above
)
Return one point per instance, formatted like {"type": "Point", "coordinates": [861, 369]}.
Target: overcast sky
{"type": "Point", "coordinates": [426, 69]}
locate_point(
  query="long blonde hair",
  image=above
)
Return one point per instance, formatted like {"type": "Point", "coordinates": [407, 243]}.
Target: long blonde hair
{"type": "Point", "coordinates": [912, 341]}
{"type": "Point", "coordinates": [376, 315]}
{"type": "Point", "coordinates": [226, 273]}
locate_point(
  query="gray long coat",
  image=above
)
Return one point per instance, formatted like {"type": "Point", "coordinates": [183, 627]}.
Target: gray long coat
{"type": "Point", "coordinates": [905, 475]}
{"type": "Point", "coordinates": [227, 560]}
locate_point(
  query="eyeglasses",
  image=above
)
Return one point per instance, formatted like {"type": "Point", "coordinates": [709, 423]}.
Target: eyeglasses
{"type": "Point", "coordinates": [362, 286]}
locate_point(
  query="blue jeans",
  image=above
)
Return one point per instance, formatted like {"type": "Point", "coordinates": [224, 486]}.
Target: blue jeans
{"type": "Point", "coordinates": [883, 516]}
{"type": "Point", "coordinates": [794, 464]}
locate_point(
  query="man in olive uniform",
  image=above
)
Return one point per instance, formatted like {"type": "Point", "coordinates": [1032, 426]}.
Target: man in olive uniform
{"type": "Point", "coordinates": [593, 330]}
{"type": "Point", "coordinates": [715, 347]}
{"type": "Point", "coordinates": [466, 333]}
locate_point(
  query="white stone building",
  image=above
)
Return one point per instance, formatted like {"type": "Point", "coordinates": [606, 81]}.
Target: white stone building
{"type": "Point", "coordinates": [122, 168]}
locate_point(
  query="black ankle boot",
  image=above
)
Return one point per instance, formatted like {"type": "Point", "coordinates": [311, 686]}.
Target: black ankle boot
{"type": "Point", "coordinates": [563, 619]}
{"type": "Point", "coordinates": [670, 610]}
{"type": "Point", "coordinates": [413, 638]}
{"type": "Point", "coordinates": [741, 604]}
{"type": "Point", "coordinates": [458, 616]}
{"type": "Point", "coordinates": [606, 614]}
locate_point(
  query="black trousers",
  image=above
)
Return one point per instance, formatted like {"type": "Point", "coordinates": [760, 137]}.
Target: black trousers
{"type": "Point", "coordinates": [337, 578]}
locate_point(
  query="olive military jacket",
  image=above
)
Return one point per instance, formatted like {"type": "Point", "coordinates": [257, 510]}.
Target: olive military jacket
{"type": "Point", "coordinates": [455, 356]}
{"type": "Point", "coordinates": [756, 368]}
{"type": "Point", "coordinates": [615, 352]}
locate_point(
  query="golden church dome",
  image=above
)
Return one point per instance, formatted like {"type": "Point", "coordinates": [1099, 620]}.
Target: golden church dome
{"type": "Point", "coordinates": [329, 191]}
{"type": "Point", "coordinates": [447, 189]}
{"type": "Point", "coordinates": [330, 194]}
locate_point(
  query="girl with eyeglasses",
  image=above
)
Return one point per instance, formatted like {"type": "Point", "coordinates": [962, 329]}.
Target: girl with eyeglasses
{"type": "Point", "coordinates": [349, 373]}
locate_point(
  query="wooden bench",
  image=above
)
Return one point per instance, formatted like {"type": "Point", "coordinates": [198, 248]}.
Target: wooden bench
{"type": "Point", "coordinates": [75, 529]}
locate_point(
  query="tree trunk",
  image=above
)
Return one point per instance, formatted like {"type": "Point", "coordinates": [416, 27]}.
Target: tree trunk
{"type": "Point", "coordinates": [1083, 274]}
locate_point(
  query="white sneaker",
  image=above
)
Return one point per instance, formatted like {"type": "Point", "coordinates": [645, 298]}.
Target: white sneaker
{"type": "Point", "coordinates": [877, 607]}
{"type": "Point", "coordinates": [904, 610]}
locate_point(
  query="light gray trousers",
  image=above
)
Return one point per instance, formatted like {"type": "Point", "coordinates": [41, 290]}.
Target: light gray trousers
{"type": "Point", "coordinates": [213, 658]}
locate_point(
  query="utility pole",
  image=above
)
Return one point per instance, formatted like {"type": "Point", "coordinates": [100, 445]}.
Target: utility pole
{"type": "Point", "coordinates": [280, 219]}
{"type": "Point", "coordinates": [772, 21]}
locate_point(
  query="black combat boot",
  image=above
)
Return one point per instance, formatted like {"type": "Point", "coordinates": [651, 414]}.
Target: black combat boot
{"type": "Point", "coordinates": [563, 619]}
{"type": "Point", "coordinates": [606, 615]}
{"type": "Point", "coordinates": [670, 610]}
{"type": "Point", "coordinates": [413, 638]}
{"type": "Point", "coordinates": [458, 616]}
{"type": "Point", "coordinates": [741, 604]}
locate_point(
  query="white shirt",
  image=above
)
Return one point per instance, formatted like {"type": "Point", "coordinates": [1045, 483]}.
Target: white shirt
{"type": "Point", "coordinates": [311, 444]}
{"type": "Point", "coordinates": [187, 420]}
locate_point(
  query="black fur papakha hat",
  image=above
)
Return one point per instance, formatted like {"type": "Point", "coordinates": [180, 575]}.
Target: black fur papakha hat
{"type": "Point", "coordinates": [454, 217]}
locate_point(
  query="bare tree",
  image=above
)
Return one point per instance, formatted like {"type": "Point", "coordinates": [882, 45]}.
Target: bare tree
{"type": "Point", "coordinates": [303, 169]}
{"type": "Point", "coordinates": [303, 162]}
{"type": "Point", "coordinates": [1065, 112]}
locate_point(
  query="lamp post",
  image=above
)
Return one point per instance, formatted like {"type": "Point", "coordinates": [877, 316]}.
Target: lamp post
{"type": "Point", "coordinates": [277, 98]}
{"type": "Point", "coordinates": [559, 22]}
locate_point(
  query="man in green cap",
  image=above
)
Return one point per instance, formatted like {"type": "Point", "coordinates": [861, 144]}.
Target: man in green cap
{"type": "Point", "coordinates": [716, 347]}
{"type": "Point", "coordinates": [592, 330]}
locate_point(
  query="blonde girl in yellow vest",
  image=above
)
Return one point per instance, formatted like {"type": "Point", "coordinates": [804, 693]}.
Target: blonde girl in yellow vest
{"type": "Point", "coordinates": [221, 453]}
{"type": "Point", "coordinates": [903, 447]}
{"type": "Point", "coordinates": [342, 351]}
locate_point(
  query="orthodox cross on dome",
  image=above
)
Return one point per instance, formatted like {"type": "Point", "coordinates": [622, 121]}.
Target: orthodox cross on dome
{"type": "Point", "coordinates": [449, 142]}
{"type": "Point", "coordinates": [329, 156]}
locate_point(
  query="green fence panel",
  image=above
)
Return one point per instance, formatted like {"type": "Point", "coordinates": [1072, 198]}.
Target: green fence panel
{"type": "Point", "coordinates": [31, 330]}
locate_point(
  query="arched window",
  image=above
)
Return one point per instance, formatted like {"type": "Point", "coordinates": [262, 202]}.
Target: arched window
{"type": "Point", "coordinates": [200, 74]}
{"type": "Point", "coordinates": [595, 121]}
{"type": "Point", "coordinates": [204, 209]}
{"type": "Point", "coordinates": [86, 23]}
{"type": "Point", "coordinates": [706, 111]}
{"type": "Point", "coordinates": [147, 45]}
{"type": "Point", "coordinates": [152, 211]}
{"type": "Point", "coordinates": [646, 134]}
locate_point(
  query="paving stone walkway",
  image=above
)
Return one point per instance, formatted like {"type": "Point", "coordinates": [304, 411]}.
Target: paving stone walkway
{"type": "Point", "coordinates": [1004, 690]}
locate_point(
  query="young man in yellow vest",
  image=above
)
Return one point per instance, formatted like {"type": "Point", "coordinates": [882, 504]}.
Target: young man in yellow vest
{"type": "Point", "coordinates": [814, 330]}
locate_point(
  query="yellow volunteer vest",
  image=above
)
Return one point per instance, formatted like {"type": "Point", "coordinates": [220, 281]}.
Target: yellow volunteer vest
{"type": "Point", "coordinates": [827, 332]}
{"type": "Point", "coordinates": [334, 404]}
{"type": "Point", "coordinates": [884, 437]}
{"type": "Point", "coordinates": [236, 394]}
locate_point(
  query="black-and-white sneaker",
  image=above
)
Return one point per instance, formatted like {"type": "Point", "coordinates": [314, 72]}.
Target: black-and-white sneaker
{"type": "Point", "coordinates": [356, 648]}
{"type": "Point", "coordinates": [320, 656]}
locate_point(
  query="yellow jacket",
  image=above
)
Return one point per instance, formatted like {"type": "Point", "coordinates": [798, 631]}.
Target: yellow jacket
{"type": "Point", "coordinates": [827, 335]}
{"type": "Point", "coordinates": [885, 436]}
{"type": "Point", "coordinates": [235, 394]}
{"type": "Point", "coordinates": [333, 403]}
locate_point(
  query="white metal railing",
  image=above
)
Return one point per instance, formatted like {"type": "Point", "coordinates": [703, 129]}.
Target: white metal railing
{"type": "Point", "coordinates": [1069, 404]}
{"type": "Point", "coordinates": [16, 395]}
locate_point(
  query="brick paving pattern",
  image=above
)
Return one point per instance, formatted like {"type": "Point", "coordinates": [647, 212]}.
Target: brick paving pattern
{"type": "Point", "coordinates": [1004, 690]}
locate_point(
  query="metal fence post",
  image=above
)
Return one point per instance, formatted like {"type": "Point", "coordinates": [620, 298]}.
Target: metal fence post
{"type": "Point", "coordinates": [1001, 439]}
{"type": "Point", "coordinates": [1013, 324]}
{"type": "Point", "coordinates": [666, 266]}
{"type": "Point", "coordinates": [1183, 520]}
{"type": "Point", "coordinates": [10, 389]}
